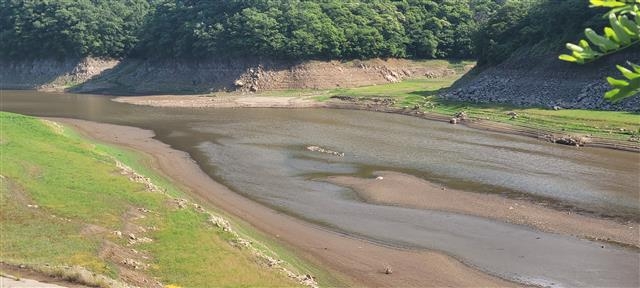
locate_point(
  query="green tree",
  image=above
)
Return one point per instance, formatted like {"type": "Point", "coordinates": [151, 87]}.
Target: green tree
{"type": "Point", "coordinates": [623, 32]}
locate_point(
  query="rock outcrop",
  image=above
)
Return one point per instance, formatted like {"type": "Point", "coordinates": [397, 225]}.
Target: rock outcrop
{"type": "Point", "coordinates": [544, 81]}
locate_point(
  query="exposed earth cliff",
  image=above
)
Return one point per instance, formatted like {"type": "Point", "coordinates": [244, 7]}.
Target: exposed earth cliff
{"type": "Point", "coordinates": [132, 76]}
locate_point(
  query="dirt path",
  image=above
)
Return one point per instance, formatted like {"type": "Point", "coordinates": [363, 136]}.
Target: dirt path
{"type": "Point", "coordinates": [421, 194]}
{"type": "Point", "coordinates": [361, 263]}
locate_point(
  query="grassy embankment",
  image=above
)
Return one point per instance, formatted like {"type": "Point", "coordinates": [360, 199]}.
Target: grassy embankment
{"type": "Point", "coordinates": [82, 197]}
{"type": "Point", "coordinates": [423, 92]}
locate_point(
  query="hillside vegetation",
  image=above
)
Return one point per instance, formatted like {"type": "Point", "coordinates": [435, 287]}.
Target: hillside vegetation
{"type": "Point", "coordinates": [298, 29]}
{"type": "Point", "coordinates": [283, 29]}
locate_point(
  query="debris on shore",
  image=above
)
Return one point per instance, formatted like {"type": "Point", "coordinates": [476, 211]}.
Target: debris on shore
{"type": "Point", "coordinates": [314, 148]}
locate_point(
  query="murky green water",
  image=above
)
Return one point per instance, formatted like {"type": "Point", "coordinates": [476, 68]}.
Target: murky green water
{"type": "Point", "coordinates": [261, 153]}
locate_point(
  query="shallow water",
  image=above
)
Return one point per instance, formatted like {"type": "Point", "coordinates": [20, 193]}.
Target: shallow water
{"type": "Point", "coordinates": [261, 153]}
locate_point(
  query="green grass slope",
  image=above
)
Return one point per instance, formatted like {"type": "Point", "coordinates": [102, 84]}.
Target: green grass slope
{"type": "Point", "coordinates": [62, 199]}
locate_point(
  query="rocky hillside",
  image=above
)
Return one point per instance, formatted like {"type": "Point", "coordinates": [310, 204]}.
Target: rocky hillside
{"type": "Point", "coordinates": [542, 80]}
{"type": "Point", "coordinates": [132, 76]}
{"type": "Point", "coordinates": [51, 74]}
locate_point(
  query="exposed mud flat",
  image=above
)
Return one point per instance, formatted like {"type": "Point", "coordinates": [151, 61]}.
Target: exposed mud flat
{"type": "Point", "coordinates": [377, 104]}
{"type": "Point", "coordinates": [392, 188]}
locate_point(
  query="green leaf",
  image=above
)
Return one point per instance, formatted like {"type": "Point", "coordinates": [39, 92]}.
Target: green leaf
{"type": "Point", "coordinates": [635, 67]}
{"type": "Point", "coordinates": [602, 42]}
{"type": "Point", "coordinates": [612, 95]}
{"type": "Point", "coordinates": [583, 43]}
{"type": "Point", "coordinates": [611, 35]}
{"type": "Point", "coordinates": [621, 92]}
{"type": "Point", "coordinates": [606, 3]}
{"type": "Point", "coordinates": [617, 82]}
{"type": "Point", "coordinates": [631, 26]}
{"type": "Point", "coordinates": [628, 73]}
{"type": "Point", "coordinates": [574, 47]}
{"type": "Point", "coordinates": [621, 32]}
{"type": "Point", "coordinates": [568, 58]}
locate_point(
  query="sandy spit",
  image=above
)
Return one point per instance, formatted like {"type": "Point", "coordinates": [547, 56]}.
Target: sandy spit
{"type": "Point", "coordinates": [227, 101]}
{"type": "Point", "coordinates": [421, 194]}
{"type": "Point", "coordinates": [359, 262]}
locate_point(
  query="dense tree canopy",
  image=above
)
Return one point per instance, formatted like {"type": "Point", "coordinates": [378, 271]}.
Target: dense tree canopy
{"type": "Point", "coordinates": [283, 29]}
{"type": "Point", "coordinates": [68, 28]}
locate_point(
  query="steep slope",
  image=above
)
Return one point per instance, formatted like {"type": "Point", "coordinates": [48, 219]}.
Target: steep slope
{"type": "Point", "coordinates": [526, 79]}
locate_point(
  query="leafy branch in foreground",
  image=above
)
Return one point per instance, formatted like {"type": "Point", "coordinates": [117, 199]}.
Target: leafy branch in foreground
{"type": "Point", "coordinates": [623, 32]}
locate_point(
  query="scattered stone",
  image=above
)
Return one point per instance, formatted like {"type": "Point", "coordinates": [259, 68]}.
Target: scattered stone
{"type": "Point", "coordinates": [220, 223]}
{"type": "Point", "coordinates": [453, 121]}
{"type": "Point", "coordinates": [555, 107]}
{"type": "Point", "coordinates": [139, 240]}
{"type": "Point", "coordinates": [391, 78]}
{"type": "Point", "coordinates": [253, 88]}
{"type": "Point", "coordinates": [238, 83]}
{"type": "Point", "coordinates": [462, 115]}
{"type": "Point", "coordinates": [513, 114]}
{"type": "Point", "coordinates": [323, 150]}
{"type": "Point", "coordinates": [243, 243]}
{"type": "Point", "coordinates": [379, 178]}
{"type": "Point", "coordinates": [181, 203]}
{"type": "Point", "coordinates": [511, 208]}
{"type": "Point", "coordinates": [32, 206]}
{"type": "Point", "coordinates": [388, 270]}
{"type": "Point", "coordinates": [117, 233]}
{"type": "Point", "coordinates": [135, 177]}
{"type": "Point", "coordinates": [134, 264]}
{"type": "Point", "coordinates": [568, 141]}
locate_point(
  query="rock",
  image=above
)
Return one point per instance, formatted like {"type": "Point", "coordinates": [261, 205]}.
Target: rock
{"type": "Point", "coordinates": [461, 115]}
{"type": "Point", "coordinates": [379, 178]}
{"type": "Point", "coordinates": [388, 270]}
{"type": "Point", "coordinates": [555, 107]}
{"type": "Point", "coordinates": [391, 79]}
{"type": "Point", "coordinates": [453, 121]}
{"type": "Point", "coordinates": [253, 88]}
{"type": "Point", "coordinates": [238, 83]}
{"type": "Point", "coordinates": [314, 148]}
{"type": "Point", "coordinates": [118, 234]}
{"type": "Point", "coordinates": [568, 141]}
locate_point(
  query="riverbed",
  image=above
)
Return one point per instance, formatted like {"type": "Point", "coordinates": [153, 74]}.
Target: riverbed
{"type": "Point", "coordinates": [261, 154]}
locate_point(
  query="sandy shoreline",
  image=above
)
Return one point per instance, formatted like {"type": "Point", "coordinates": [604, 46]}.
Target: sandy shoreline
{"type": "Point", "coordinates": [359, 262]}
{"type": "Point", "coordinates": [256, 101]}
{"type": "Point", "coordinates": [421, 194]}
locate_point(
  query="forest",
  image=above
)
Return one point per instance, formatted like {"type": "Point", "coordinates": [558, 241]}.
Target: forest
{"type": "Point", "coordinates": [487, 30]}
